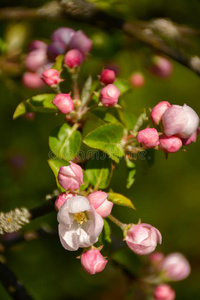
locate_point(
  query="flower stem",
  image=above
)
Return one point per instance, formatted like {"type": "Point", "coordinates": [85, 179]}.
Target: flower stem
{"type": "Point", "coordinates": [117, 222]}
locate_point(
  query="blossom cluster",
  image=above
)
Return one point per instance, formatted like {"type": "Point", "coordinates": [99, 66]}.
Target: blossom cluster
{"type": "Point", "coordinates": [80, 218]}
{"type": "Point", "coordinates": [177, 126]}
{"type": "Point", "coordinates": [172, 267]}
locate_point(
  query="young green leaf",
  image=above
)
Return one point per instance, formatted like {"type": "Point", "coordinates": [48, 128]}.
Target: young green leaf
{"type": "Point", "coordinates": [119, 199]}
{"type": "Point", "coordinates": [108, 139]}
{"type": "Point", "coordinates": [58, 65]}
{"type": "Point", "coordinates": [41, 103]}
{"type": "Point", "coordinates": [122, 85]}
{"type": "Point", "coordinates": [55, 165]}
{"type": "Point", "coordinates": [131, 173]}
{"type": "Point", "coordinates": [65, 142]}
{"type": "Point", "coordinates": [99, 170]}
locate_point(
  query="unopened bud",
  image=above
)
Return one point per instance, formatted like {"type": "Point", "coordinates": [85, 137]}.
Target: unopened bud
{"type": "Point", "coordinates": [64, 103]}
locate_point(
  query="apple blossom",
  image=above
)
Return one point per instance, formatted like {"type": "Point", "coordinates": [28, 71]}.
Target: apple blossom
{"type": "Point", "coordinates": [35, 59]}
{"type": "Point", "coordinates": [107, 76]}
{"type": "Point", "coordinates": [32, 80]}
{"type": "Point", "coordinates": [137, 79]}
{"type": "Point", "coordinates": [92, 261]}
{"type": "Point", "coordinates": [161, 67]}
{"type": "Point", "coordinates": [180, 120]}
{"type": "Point", "coordinates": [62, 35]}
{"type": "Point", "coordinates": [164, 292]}
{"type": "Point", "coordinates": [158, 111]}
{"type": "Point", "coordinates": [73, 58]}
{"type": "Point", "coordinates": [100, 203]}
{"type": "Point", "coordinates": [170, 144]}
{"type": "Point", "coordinates": [142, 238]}
{"type": "Point", "coordinates": [148, 137]}
{"type": "Point", "coordinates": [79, 224]}
{"type": "Point", "coordinates": [54, 49]}
{"type": "Point", "coordinates": [60, 200]}
{"type": "Point", "coordinates": [109, 95]}
{"type": "Point", "coordinates": [156, 257]}
{"type": "Point", "coordinates": [80, 41]}
{"type": "Point", "coordinates": [37, 44]}
{"type": "Point", "coordinates": [70, 177]}
{"type": "Point", "coordinates": [64, 103]}
{"type": "Point", "coordinates": [175, 267]}
{"type": "Point", "coordinates": [51, 77]}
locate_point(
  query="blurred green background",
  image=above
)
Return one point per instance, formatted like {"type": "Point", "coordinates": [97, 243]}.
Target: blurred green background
{"type": "Point", "coordinates": [166, 193]}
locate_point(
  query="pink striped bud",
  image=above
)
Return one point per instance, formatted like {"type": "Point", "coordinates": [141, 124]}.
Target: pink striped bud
{"type": "Point", "coordinates": [109, 95]}
{"type": "Point", "coordinates": [170, 144]}
{"type": "Point", "coordinates": [107, 76]}
{"type": "Point", "coordinates": [180, 120]}
{"type": "Point", "coordinates": [137, 79]}
{"type": "Point", "coordinates": [64, 103]}
{"type": "Point", "coordinates": [35, 59]}
{"type": "Point", "coordinates": [142, 238]}
{"type": "Point", "coordinates": [164, 292]}
{"type": "Point", "coordinates": [32, 80]}
{"type": "Point", "coordinates": [60, 200]}
{"type": "Point", "coordinates": [92, 261]}
{"type": "Point", "coordinates": [70, 177]}
{"type": "Point", "coordinates": [175, 267]}
{"type": "Point", "coordinates": [162, 67]}
{"type": "Point", "coordinates": [73, 58]}
{"type": "Point", "coordinates": [100, 203]}
{"type": "Point", "coordinates": [80, 41]}
{"type": "Point", "coordinates": [148, 137]}
{"type": "Point", "coordinates": [158, 111]}
{"type": "Point", "coordinates": [51, 77]}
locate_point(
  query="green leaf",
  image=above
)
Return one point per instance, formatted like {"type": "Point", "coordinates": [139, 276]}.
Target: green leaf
{"type": "Point", "coordinates": [58, 65]}
{"type": "Point", "coordinates": [131, 173]}
{"type": "Point", "coordinates": [122, 85]}
{"type": "Point", "coordinates": [65, 142]}
{"type": "Point", "coordinates": [86, 90]}
{"type": "Point", "coordinates": [128, 119]}
{"type": "Point", "coordinates": [55, 165]}
{"type": "Point", "coordinates": [40, 103]}
{"type": "Point", "coordinates": [99, 170]}
{"type": "Point", "coordinates": [102, 112]}
{"type": "Point", "coordinates": [85, 181]}
{"type": "Point", "coordinates": [107, 138]}
{"type": "Point", "coordinates": [120, 200]}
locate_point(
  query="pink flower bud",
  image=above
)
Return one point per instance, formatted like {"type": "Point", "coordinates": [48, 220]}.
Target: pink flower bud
{"type": "Point", "coordinates": [64, 103]}
{"type": "Point", "coordinates": [162, 67]}
{"type": "Point", "coordinates": [175, 266]}
{"type": "Point", "coordinates": [60, 200]}
{"type": "Point", "coordinates": [73, 58]}
{"type": "Point", "coordinates": [109, 95]}
{"type": "Point", "coordinates": [148, 137]}
{"type": "Point", "coordinates": [36, 44]}
{"type": "Point", "coordinates": [107, 76]}
{"type": "Point", "coordinates": [32, 80]}
{"type": "Point", "coordinates": [92, 261]}
{"type": "Point", "coordinates": [156, 257]}
{"type": "Point", "coordinates": [80, 41]}
{"type": "Point", "coordinates": [180, 120]}
{"type": "Point", "coordinates": [164, 292]}
{"type": "Point", "coordinates": [137, 79]}
{"type": "Point", "coordinates": [158, 111]}
{"type": "Point", "coordinates": [51, 77]}
{"type": "Point", "coordinates": [100, 203]}
{"type": "Point", "coordinates": [62, 35]}
{"type": "Point", "coordinates": [35, 59]}
{"type": "Point", "coordinates": [143, 238]}
{"type": "Point", "coordinates": [170, 144]}
{"type": "Point", "coordinates": [70, 177]}
{"type": "Point", "coordinates": [54, 49]}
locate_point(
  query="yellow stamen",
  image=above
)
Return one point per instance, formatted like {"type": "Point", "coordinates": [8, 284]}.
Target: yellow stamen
{"type": "Point", "coordinates": [80, 217]}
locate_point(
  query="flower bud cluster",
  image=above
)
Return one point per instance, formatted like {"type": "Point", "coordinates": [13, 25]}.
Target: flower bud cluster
{"type": "Point", "coordinates": [173, 267]}
{"type": "Point", "coordinates": [178, 126]}
{"type": "Point", "coordinates": [42, 56]}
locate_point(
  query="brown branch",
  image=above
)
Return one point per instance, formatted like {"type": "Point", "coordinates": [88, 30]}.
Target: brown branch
{"type": "Point", "coordinates": [80, 10]}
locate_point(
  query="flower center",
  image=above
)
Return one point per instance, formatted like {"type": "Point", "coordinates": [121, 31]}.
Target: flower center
{"type": "Point", "coordinates": [80, 217]}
